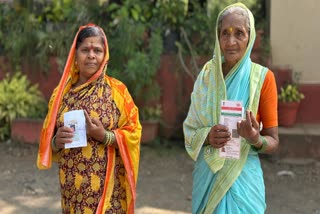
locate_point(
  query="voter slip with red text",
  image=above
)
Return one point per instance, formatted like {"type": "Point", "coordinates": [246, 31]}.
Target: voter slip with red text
{"type": "Point", "coordinates": [231, 113]}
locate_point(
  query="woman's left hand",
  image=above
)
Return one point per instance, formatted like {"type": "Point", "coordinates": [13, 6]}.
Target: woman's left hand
{"type": "Point", "coordinates": [94, 127]}
{"type": "Point", "coordinates": [249, 128]}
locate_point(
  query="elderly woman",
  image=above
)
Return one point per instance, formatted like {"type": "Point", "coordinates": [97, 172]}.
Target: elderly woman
{"type": "Point", "coordinates": [220, 184]}
{"type": "Point", "coordinates": [100, 177]}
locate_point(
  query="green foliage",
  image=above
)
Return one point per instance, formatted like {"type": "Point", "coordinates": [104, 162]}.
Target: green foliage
{"type": "Point", "coordinates": [135, 50]}
{"type": "Point", "coordinates": [32, 31]}
{"type": "Point", "coordinates": [197, 36]}
{"type": "Point", "coordinates": [254, 5]}
{"type": "Point", "coordinates": [18, 30]}
{"type": "Point", "coordinates": [151, 113]}
{"type": "Point", "coordinates": [58, 17]}
{"type": "Point", "coordinates": [138, 59]}
{"type": "Point", "coordinates": [290, 93]}
{"type": "Point", "coordinates": [19, 98]}
{"type": "Point", "coordinates": [171, 13]}
{"type": "Point", "coordinates": [197, 32]}
{"type": "Point", "coordinates": [201, 36]}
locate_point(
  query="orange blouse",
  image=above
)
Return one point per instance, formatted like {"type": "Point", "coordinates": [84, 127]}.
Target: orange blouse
{"type": "Point", "coordinates": [267, 112]}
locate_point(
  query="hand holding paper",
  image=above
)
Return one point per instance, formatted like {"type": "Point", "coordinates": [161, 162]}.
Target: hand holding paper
{"type": "Point", "coordinates": [63, 136]}
{"type": "Point", "coordinates": [219, 135]}
{"type": "Point", "coordinates": [231, 113]}
{"type": "Point", "coordinates": [76, 121]}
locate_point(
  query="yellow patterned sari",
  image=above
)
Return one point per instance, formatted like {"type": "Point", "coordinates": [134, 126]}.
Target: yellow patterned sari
{"type": "Point", "coordinates": [96, 178]}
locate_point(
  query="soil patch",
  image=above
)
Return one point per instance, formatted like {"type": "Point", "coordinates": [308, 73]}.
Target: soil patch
{"type": "Point", "coordinates": [164, 186]}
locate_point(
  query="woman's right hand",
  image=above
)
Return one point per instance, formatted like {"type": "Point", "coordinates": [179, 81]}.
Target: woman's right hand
{"type": "Point", "coordinates": [218, 136]}
{"type": "Point", "coordinates": [64, 135]}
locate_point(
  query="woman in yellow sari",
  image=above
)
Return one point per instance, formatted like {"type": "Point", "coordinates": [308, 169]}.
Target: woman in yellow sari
{"type": "Point", "coordinates": [100, 177]}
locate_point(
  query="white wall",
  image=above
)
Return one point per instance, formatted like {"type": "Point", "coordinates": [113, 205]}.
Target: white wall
{"type": "Point", "coordinates": [295, 36]}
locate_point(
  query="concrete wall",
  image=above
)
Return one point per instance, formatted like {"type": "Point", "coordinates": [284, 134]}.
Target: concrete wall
{"type": "Point", "coordinates": [294, 34]}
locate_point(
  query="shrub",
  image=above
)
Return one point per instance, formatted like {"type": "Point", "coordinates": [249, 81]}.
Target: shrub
{"type": "Point", "coordinates": [19, 98]}
{"type": "Point", "coordinates": [153, 113]}
{"type": "Point", "coordinates": [290, 93]}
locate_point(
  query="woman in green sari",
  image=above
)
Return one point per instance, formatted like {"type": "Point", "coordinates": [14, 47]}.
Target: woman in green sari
{"type": "Point", "coordinates": [220, 184]}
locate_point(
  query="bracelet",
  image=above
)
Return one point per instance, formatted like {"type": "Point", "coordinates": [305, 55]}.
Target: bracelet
{"type": "Point", "coordinates": [256, 143]}
{"type": "Point", "coordinates": [263, 147]}
{"type": "Point", "coordinates": [108, 138]}
{"type": "Point", "coordinates": [53, 144]}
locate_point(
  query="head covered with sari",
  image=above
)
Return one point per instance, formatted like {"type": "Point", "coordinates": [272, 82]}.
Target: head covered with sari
{"type": "Point", "coordinates": [242, 83]}
{"type": "Point", "coordinates": [127, 130]}
{"type": "Point", "coordinates": [69, 77]}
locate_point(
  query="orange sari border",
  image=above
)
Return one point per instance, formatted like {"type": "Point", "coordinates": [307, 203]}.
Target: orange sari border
{"type": "Point", "coordinates": [45, 151]}
{"type": "Point", "coordinates": [128, 134]}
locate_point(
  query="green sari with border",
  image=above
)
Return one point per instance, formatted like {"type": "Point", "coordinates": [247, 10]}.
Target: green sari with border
{"type": "Point", "coordinates": [224, 185]}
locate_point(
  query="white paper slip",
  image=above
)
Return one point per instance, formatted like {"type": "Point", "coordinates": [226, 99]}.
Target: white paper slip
{"type": "Point", "coordinates": [77, 121]}
{"type": "Point", "coordinates": [231, 113]}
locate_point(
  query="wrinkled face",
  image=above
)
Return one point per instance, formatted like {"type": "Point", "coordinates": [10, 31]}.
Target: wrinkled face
{"type": "Point", "coordinates": [233, 38]}
{"type": "Point", "coordinates": [89, 57]}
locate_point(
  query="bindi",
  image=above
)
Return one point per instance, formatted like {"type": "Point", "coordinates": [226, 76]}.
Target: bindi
{"type": "Point", "coordinates": [91, 47]}
{"type": "Point", "coordinates": [230, 29]}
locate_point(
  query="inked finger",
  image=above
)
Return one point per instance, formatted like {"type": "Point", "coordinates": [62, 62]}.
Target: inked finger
{"type": "Point", "coordinates": [254, 121]}
{"type": "Point", "coordinates": [248, 119]}
{"type": "Point", "coordinates": [88, 119]}
{"type": "Point", "coordinates": [239, 125]}
{"type": "Point", "coordinates": [95, 121]}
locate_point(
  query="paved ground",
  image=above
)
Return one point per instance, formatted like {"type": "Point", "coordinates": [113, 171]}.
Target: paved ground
{"type": "Point", "coordinates": [165, 182]}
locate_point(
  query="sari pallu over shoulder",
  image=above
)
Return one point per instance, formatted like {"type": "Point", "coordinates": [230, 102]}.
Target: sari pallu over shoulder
{"type": "Point", "coordinates": [196, 128]}
{"type": "Point", "coordinates": [69, 76]}
{"type": "Point", "coordinates": [128, 133]}
{"type": "Point", "coordinates": [231, 169]}
{"type": "Point", "coordinates": [128, 138]}
{"type": "Point", "coordinates": [242, 83]}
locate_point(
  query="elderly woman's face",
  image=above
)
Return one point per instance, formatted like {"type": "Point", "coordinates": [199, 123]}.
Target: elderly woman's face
{"type": "Point", "coordinates": [233, 38]}
{"type": "Point", "coordinates": [89, 56]}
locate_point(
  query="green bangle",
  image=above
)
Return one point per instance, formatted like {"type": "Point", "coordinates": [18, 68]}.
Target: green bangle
{"type": "Point", "coordinates": [256, 143]}
{"type": "Point", "coordinates": [53, 144]}
{"type": "Point", "coordinates": [108, 138]}
{"type": "Point", "coordinates": [263, 147]}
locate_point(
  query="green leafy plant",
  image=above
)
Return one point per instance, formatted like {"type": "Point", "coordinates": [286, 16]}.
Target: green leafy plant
{"type": "Point", "coordinates": [153, 113]}
{"type": "Point", "coordinates": [137, 62]}
{"type": "Point", "coordinates": [19, 98]}
{"type": "Point", "coordinates": [171, 13]}
{"type": "Point", "coordinates": [18, 31]}
{"type": "Point", "coordinates": [290, 93]}
{"type": "Point", "coordinates": [196, 40]}
{"type": "Point", "coordinates": [33, 31]}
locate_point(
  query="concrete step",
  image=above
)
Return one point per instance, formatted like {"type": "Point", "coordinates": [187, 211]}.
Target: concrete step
{"type": "Point", "coordinates": [299, 141]}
